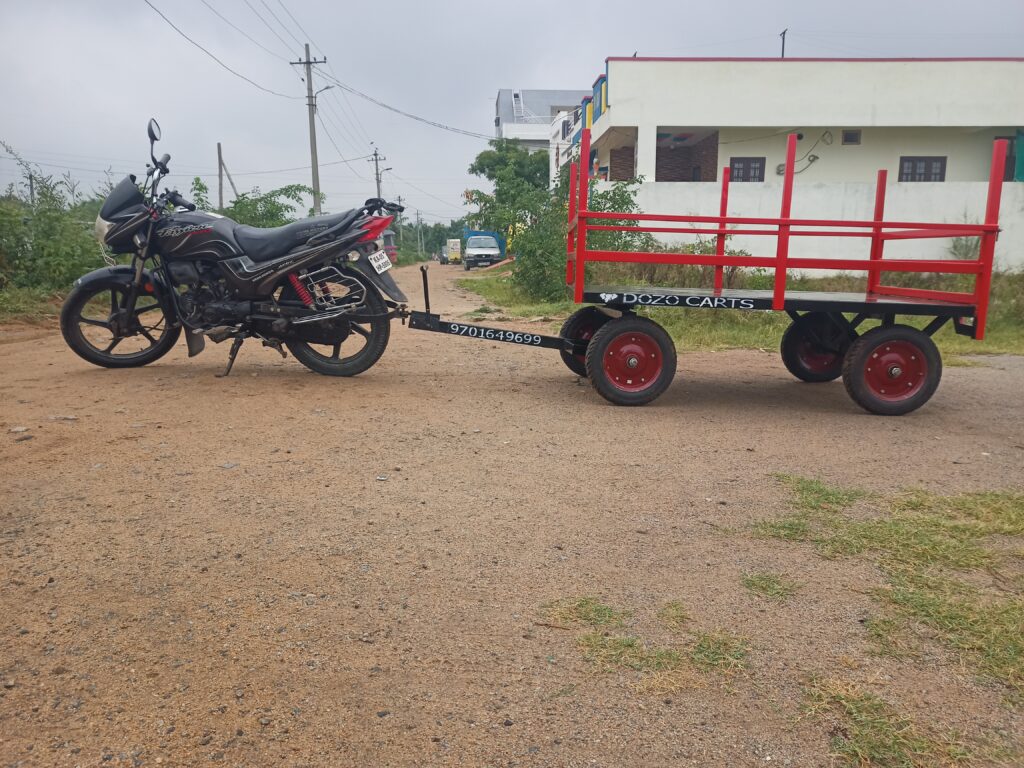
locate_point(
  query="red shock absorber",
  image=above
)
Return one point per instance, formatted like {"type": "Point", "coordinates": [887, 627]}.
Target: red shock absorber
{"type": "Point", "coordinates": [301, 290]}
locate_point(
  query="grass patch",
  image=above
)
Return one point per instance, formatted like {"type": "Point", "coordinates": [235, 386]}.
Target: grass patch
{"type": "Point", "coordinates": [924, 544]}
{"type": "Point", "coordinates": [870, 732]}
{"type": "Point", "coordinates": [814, 496]}
{"type": "Point", "coordinates": [719, 651]}
{"type": "Point", "coordinates": [793, 528]}
{"type": "Point", "coordinates": [499, 290]}
{"type": "Point", "coordinates": [673, 615]}
{"type": "Point", "coordinates": [888, 637]}
{"type": "Point", "coordinates": [774, 586]}
{"type": "Point", "coordinates": [586, 610]}
{"type": "Point", "coordinates": [608, 652]}
{"type": "Point", "coordinates": [28, 305]}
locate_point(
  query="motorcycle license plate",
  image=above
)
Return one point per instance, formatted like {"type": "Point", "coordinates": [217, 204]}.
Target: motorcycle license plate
{"type": "Point", "coordinates": [380, 262]}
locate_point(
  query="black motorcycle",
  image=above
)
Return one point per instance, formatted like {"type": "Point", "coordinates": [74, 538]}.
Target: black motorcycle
{"type": "Point", "coordinates": [319, 286]}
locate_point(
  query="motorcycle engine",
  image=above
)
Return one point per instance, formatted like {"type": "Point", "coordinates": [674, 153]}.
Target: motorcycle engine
{"type": "Point", "coordinates": [205, 301]}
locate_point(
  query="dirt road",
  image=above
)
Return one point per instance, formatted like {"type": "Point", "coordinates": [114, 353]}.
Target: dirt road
{"type": "Point", "coordinates": [280, 568]}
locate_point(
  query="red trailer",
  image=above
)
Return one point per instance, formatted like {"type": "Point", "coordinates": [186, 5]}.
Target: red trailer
{"type": "Point", "coordinates": [887, 367]}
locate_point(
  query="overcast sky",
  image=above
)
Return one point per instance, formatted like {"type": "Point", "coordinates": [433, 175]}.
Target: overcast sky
{"type": "Point", "coordinates": [82, 78]}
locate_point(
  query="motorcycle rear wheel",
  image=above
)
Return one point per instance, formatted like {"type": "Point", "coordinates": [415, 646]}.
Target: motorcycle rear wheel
{"type": "Point", "coordinates": [358, 345]}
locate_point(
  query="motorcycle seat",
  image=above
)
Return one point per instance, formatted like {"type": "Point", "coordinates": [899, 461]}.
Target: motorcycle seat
{"type": "Point", "coordinates": [266, 243]}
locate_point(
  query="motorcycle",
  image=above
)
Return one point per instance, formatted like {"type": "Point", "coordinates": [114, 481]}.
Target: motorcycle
{"type": "Point", "coordinates": [319, 286]}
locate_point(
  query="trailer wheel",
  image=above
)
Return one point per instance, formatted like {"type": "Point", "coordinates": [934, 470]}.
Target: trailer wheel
{"type": "Point", "coordinates": [892, 371]}
{"type": "Point", "coordinates": [813, 347]}
{"type": "Point", "coordinates": [581, 326]}
{"type": "Point", "coordinates": [631, 360]}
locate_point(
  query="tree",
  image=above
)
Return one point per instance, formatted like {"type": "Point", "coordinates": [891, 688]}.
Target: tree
{"type": "Point", "coordinates": [520, 180]}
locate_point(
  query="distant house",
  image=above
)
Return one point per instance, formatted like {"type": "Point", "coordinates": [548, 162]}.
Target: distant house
{"type": "Point", "coordinates": [929, 122]}
{"type": "Point", "coordinates": [527, 114]}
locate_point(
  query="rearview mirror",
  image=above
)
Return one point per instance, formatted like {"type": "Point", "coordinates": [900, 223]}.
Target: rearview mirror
{"type": "Point", "coordinates": [154, 130]}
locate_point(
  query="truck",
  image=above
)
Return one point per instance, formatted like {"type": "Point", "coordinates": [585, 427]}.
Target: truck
{"type": "Point", "coordinates": [454, 251]}
{"type": "Point", "coordinates": [483, 249]}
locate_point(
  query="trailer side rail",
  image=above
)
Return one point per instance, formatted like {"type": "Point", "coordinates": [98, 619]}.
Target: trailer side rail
{"type": "Point", "coordinates": [783, 228]}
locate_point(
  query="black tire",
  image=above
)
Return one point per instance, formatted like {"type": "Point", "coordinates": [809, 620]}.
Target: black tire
{"type": "Point", "coordinates": [581, 325]}
{"type": "Point", "coordinates": [465, 265]}
{"type": "Point", "coordinates": [94, 325]}
{"type": "Point", "coordinates": [626, 349]}
{"type": "Point", "coordinates": [892, 371]}
{"type": "Point", "coordinates": [813, 347]}
{"type": "Point", "coordinates": [375, 333]}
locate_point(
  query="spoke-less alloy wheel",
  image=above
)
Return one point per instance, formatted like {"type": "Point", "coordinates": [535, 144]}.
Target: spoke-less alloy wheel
{"type": "Point", "coordinates": [99, 327]}
{"type": "Point", "coordinates": [631, 360]}
{"type": "Point", "coordinates": [338, 346]}
{"type": "Point", "coordinates": [813, 347]}
{"type": "Point", "coordinates": [892, 371]}
{"type": "Point", "coordinates": [581, 326]}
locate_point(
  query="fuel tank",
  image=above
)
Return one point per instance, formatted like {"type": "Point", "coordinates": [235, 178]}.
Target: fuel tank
{"type": "Point", "coordinates": [196, 235]}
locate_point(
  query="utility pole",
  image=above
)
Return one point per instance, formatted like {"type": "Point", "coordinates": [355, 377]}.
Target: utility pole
{"type": "Point", "coordinates": [220, 179]}
{"type": "Point", "coordinates": [401, 227]}
{"type": "Point", "coordinates": [783, 36]}
{"type": "Point", "coordinates": [311, 103]}
{"type": "Point", "coordinates": [419, 234]}
{"type": "Point", "coordinates": [31, 189]}
{"type": "Point", "coordinates": [377, 159]}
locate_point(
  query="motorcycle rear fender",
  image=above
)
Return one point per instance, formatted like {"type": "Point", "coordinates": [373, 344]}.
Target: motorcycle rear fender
{"type": "Point", "coordinates": [384, 282]}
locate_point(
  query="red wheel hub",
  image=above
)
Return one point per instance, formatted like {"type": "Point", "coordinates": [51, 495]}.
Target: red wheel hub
{"type": "Point", "coordinates": [895, 370]}
{"type": "Point", "coordinates": [633, 361]}
{"type": "Point", "coordinates": [585, 334]}
{"type": "Point", "coordinates": [815, 359]}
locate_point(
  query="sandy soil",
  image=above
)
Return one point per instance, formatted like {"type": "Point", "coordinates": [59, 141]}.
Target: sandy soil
{"type": "Point", "coordinates": [280, 568]}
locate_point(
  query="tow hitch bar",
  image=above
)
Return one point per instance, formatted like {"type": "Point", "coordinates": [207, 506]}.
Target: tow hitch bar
{"type": "Point", "coordinates": [429, 321]}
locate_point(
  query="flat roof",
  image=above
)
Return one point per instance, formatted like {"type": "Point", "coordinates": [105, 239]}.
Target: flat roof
{"type": "Point", "coordinates": [797, 58]}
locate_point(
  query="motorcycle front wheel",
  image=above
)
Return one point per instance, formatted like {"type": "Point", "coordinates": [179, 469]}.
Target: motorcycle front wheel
{"type": "Point", "coordinates": [99, 328]}
{"type": "Point", "coordinates": [339, 346]}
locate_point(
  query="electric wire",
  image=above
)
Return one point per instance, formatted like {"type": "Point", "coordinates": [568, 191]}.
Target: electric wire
{"type": "Point", "coordinates": [266, 23]}
{"type": "Point", "coordinates": [274, 17]}
{"type": "Point", "coordinates": [423, 191]}
{"type": "Point", "coordinates": [242, 32]}
{"type": "Point", "coordinates": [335, 145]}
{"type": "Point", "coordinates": [402, 112]}
{"type": "Point", "coordinates": [221, 63]}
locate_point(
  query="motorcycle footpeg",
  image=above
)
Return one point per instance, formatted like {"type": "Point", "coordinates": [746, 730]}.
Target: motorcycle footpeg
{"type": "Point", "coordinates": [275, 345]}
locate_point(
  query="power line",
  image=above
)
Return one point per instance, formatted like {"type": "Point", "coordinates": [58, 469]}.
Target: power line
{"type": "Point", "coordinates": [221, 63]}
{"type": "Point", "coordinates": [274, 16]}
{"type": "Point", "coordinates": [402, 112]}
{"type": "Point", "coordinates": [303, 31]}
{"type": "Point", "coordinates": [267, 25]}
{"type": "Point", "coordinates": [241, 31]}
{"type": "Point", "coordinates": [335, 145]}
{"type": "Point", "coordinates": [423, 191]}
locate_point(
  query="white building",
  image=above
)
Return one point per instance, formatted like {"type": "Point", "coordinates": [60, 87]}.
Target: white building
{"type": "Point", "coordinates": [526, 115]}
{"type": "Point", "coordinates": [929, 122]}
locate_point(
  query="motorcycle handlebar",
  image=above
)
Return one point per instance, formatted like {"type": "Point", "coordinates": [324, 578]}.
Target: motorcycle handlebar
{"type": "Point", "coordinates": [174, 198]}
{"type": "Point", "coordinates": [379, 204]}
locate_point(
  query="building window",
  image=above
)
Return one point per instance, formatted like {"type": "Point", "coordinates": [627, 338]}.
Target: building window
{"type": "Point", "coordinates": [746, 168]}
{"type": "Point", "coordinates": [851, 137]}
{"type": "Point", "coordinates": [922, 168]}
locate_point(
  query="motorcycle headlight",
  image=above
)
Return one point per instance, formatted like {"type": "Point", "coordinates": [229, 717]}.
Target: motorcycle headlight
{"type": "Point", "coordinates": [102, 228]}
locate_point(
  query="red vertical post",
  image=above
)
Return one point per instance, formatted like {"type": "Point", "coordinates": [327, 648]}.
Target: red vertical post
{"type": "Point", "coordinates": [722, 211]}
{"type": "Point", "coordinates": [570, 245]}
{"type": "Point", "coordinates": [782, 248]}
{"type": "Point", "coordinates": [877, 243]}
{"type": "Point", "coordinates": [581, 215]}
{"type": "Point", "coordinates": [986, 252]}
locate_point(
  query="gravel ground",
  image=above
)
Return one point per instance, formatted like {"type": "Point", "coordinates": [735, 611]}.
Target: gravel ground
{"type": "Point", "coordinates": [280, 568]}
